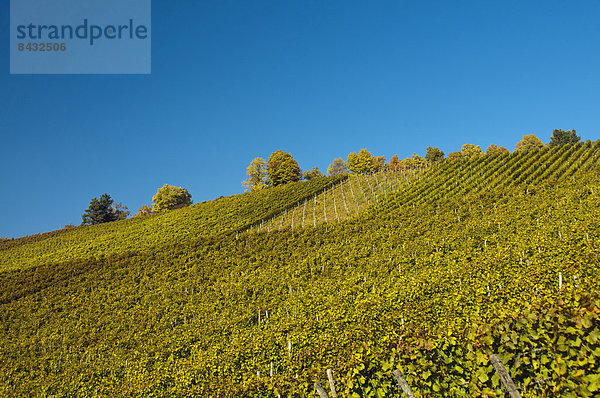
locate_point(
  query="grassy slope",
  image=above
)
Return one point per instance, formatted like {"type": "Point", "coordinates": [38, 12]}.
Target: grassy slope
{"type": "Point", "coordinates": [465, 245]}
{"type": "Point", "coordinates": [217, 217]}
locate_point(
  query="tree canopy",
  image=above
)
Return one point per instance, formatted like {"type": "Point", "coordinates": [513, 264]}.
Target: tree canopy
{"type": "Point", "coordinates": [434, 154]}
{"type": "Point", "coordinates": [102, 210]}
{"type": "Point", "coordinates": [311, 174]}
{"type": "Point", "coordinates": [282, 168]}
{"type": "Point", "coordinates": [394, 164]}
{"type": "Point", "coordinates": [257, 175]}
{"type": "Point", "coordinates": [495, 149]}
{"type": "Point", "coordinates": [170, 197]}
{"type": "Point", "coordinates": [561, 137]}
{"type": "Point", "coordinates": [337, 167]}
{"type": "Point", "coordinates": [469, 150]}
{"type": "Point", "coordinates": [528, 143]}
{"type": "Point", "coordinates": [361, 163]}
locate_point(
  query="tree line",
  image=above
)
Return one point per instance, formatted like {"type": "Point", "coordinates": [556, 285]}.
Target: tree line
{"type": "Point", "coordinates": [282, 168]}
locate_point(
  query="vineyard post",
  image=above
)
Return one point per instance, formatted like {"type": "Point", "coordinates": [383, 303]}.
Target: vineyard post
{"type": "Point", "coordinates": [324, 210]}
{"type": "Point", "coordinates": [344, 198]}
{"type": "Point", "coordinates": [294, 214]}
{"type": "Point", "coordinates": [314, 212]}
{"type": "Point", "coordinates": [334, 205]}
{"type": "Point", "coordinates": [303, 212]}
{"type": "Point", "coordinates": [331, 383]}
{"type": "Point", "coordinates": [271, 369]}
{"type": "Point", "coordinates": [560, 281]}
{"type": "Point", "coordinates": [320, 390]}
{"type": "Point", "coordinates": [504, 377]}
{"type": "Point", "coordinates": [403, 384]}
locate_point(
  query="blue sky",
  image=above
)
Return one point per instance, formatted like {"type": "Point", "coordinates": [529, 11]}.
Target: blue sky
{"type": "Point", "coordinates": [234, 80]}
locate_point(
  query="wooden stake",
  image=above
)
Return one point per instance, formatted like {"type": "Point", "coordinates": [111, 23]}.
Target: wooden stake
{"type": "Point", "coordinates": [508, 383]}
{"type": "Point", "coordinates": [320, 390]}
{"type": "Point", "coordinates": [403, 384]}
{"type": "Point", "coordinates": [331, 383]}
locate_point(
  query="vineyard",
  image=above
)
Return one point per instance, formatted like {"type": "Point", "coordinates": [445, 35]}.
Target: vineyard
{"type": "Point", "coordinates": [429, 271]}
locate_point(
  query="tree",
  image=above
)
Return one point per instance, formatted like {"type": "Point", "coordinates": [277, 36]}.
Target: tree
{"type": "Point", "coordinates": [414, 161]}
{"type": "Point", "coordinates": [360, 163]}
{"type": "Point", "coordinates": [282, 168]}
{"type": "Point", "coordinates": [170, 197]}
{"type": "Point", "coordinates": [434, 155]}
{"type": "Point", "coordinates": [121, 210]}
{"type": "Point", "coordinates": [494, 149]}
{"type": "Point", "coordinates": [394, 164]}
{"type": "Point", "coordinates": [103, 210]}
{"type": "Point", "coordinates": [454, 155]}
{"type": "Point", "coordinates": [145, 210]}
{"type": "Point", "coordinates": [378, 164]}
{"type": "Point", "coordinates": [469, 150]}
{"type": "Point", "coordinates": [561, 137]}
{"type": "Point", "coordinates": [312, 174]}
{"type": "Point", "coordinates": [337, 167]}
{"type": "Point", "coordinates": [528, 143]}
{"type": "Point", "coordinates": [257, 175]}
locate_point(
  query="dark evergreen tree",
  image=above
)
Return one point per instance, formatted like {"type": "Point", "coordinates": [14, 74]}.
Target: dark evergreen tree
{"type": "Point", "coordinates": [102, 210]}
{"type": "Point", "coordinates": [561, 137]}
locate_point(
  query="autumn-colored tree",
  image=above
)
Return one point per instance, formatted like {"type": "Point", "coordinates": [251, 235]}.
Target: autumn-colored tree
{"type": "Point", "coordinates": [337, 167]}
{"type": "Point", "coordinates": [145, 210]}
{"type": "Point", "coordinates": [170, 197]}
{"type": "Point", "coordinates": [413, 162]}
{"type": "Point", "coordinates": [454, 155]}
{"type": "Point", "coordinates": [494, 149]}
{"type": "Point", "coordinates": [378, 164]}
{"type": "Point", "coordinates": [528, 143]}
{"type": "Point", "coordinates": [282, 168]}
{"type": "Point", "coordinates": [469, 150]}
{"type": "Point", "coordinates": [257, 175]}
{"type": "Point", "coordinates": [394, 164]}
{"type": "Point", "coordinates": [312, 174]}
{"type": "Point", "coordinates": [121, 210]}
{"type": "Point", "coordinates": [434, 155]}
{"type": "Point", "coordinates": [361, 163]}
{"type": "Point", "coordinates": [561, 137]}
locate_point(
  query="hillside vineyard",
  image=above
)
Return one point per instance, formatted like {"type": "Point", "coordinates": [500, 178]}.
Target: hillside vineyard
{"type": "Point", "coordinates": [429, 271]}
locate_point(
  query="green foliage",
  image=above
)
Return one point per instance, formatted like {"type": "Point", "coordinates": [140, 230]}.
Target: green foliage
{"type": "Point", "coordinates": [456, 263]}
{"type": "Point", "coordinates": [454, 156]}
{"type": "Point", "coordinates": [434, 154]}
{"type": "Point", "coordinates": [361, 163]}
{"type": "Point", "coordinates": [282, 168]}
{"type": "Point", "coordinates": [561, 137]}
{"type": "Point", "coordinates": [528, 143]}
{"type": "Point", "coordinates": [257, 175]}
{"type": "Point", "coordinates": [170, 197]}
{"type": "Point", "coordinates": [103, 210]}
{"type": "Point", "coordinates": [494, 149]}
{"type": "Point", "coordinates": [469, 150]}
{"type": "Point", "coordinates": [337, 167]}
{"type": "Point", "coordinates": [312, 174]}
{"type": "Point", "coordinates": [218, 217]}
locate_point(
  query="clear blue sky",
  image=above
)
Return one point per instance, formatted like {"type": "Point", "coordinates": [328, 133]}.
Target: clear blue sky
{"type": "Point", "coordinates": [234, 80]}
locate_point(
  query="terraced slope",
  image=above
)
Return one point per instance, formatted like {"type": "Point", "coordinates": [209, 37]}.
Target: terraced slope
{"type": "Point", "coordinates": [480, 256]}
{"type": "Point", "coordinates": [214, 218]}
{"type": "Point", "coordinates": [349, 198]}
